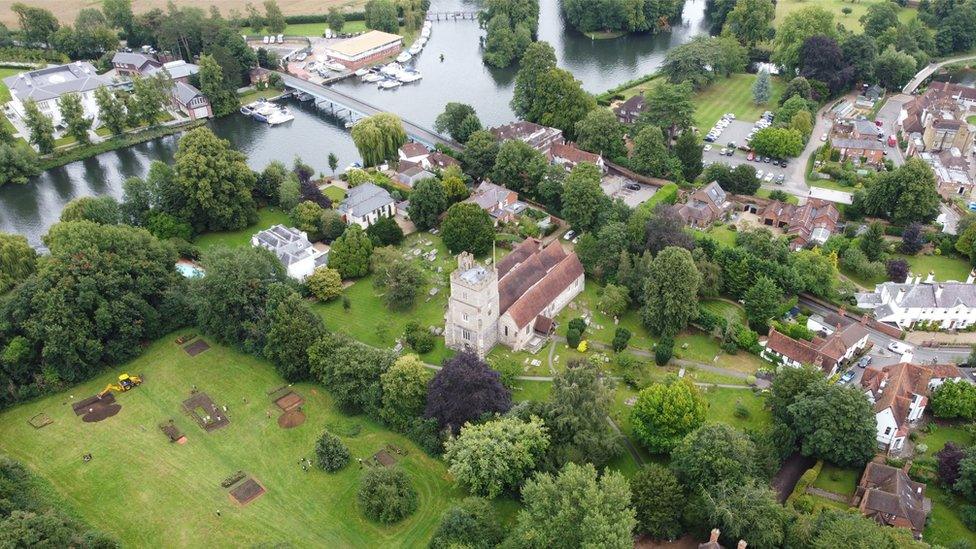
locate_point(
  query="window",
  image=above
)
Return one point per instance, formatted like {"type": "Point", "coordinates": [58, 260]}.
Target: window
{"type": "Point", "coordinates": [464, 317]}
{"type": "Point", "coordinates": [466, 334]}
{"type": "Point", "coordinates": [887, 431]}
{"type": "Point", "coordinates": [506, 331]}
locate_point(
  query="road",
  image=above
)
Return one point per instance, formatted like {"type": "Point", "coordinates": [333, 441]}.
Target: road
{"type": "Point", "coordinates": [928, 70]}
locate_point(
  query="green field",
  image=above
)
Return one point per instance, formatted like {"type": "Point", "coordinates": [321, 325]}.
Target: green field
{"type": "Point", "coordinates": [837, 480]}
{"type": "Point", "coordinates": [149, 492]}
{"type": "Point", "coordinates": [266, 218]}
{"type": "Point", "coordinates": [335, 194]}
{"type": "Point", "coordinates": [254, 95]}
{"type": "Point", "coordinates": [945, 267]}
{"type": "Point", "coordinates": [944, 525]}
{"type": "Point", "coordinates": [727, 309]}
{"type": "Point", "coordinates": [734, 95]}
{"type": "Point", "coordinates": [785, 7]}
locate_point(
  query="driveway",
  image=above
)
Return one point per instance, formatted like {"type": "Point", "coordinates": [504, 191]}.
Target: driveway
{"type": "Point", "coordinates": [615, 186]}
{"type": "Point", "coordinates": [888, 115]}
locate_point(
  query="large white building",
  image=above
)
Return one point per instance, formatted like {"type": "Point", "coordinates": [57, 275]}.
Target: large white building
{"type": "Point", "coordinates": [46, 86]}
{"type": "Point", "coordinates": [296, 253]}
{"type": "Point", "coordinates": [513, 303]}
{"type": "Point", "coordinates": [366, 204]}
{"type": "Point", "coordinates": [950, 304]}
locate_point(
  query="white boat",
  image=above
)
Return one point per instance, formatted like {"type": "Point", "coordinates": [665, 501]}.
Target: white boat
{"type": "Point", "coordinates": [422, 41]}
{"type": "Point", "coordinates": [246, 110]}
{"type": "Point", "coordinates": [426, 32]}
{"type": "Point", "coordinates": [335, 66]}
{"type": "Point", "coordinates": [362, 72]}
{"type": "Point", "coordinates": [404, 57]}
{"type": "Point", "coordinates": [391, 69]}
{"type": "Point", "coordinates": [389, 84]}
{"type": "Point", "coordinates": [261, 110]}
{"type": "Point", "coordinates": [373, 77]}
{"type": "Point", "coordinates": [407, 76]}
{"type": "Point", "coordinates": [280, 116]}
{"type": "Point", "coordinates": [415, 49]}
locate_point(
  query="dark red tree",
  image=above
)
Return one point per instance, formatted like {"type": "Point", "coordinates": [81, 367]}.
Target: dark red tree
{"type": "Point", "coordinates": [912, 239]}
{"type": "Point", "coordinates": [897, 270]}
{"type": "Point", "coordinates": [464, 390]}
{"type": "Point", "coordinates": [948, 459]}
{"type": "Point", "coordinates": [822, 59]}
{"type": "Point", "coordinates": [310, 191]}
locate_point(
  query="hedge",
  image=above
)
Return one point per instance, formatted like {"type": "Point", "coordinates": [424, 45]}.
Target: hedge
{"type": "Point", "coordinates": [322, 18]}
{"type": "Point", "coordinates": [667, 194]}
{"type": "Point", "coordinates": [805, 482]}
{"type": "Point", "coordinates": [28, 55]}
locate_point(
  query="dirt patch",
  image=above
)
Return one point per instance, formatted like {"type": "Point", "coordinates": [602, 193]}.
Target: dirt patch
{"type": "Point", "coordinates": [247, 491]}
{"type": "Point", "coordinates": [291, 418]}
{"type": "Point", "coordinates": [290, 401]}
{"type": "Point", "coordinates": [789, 474]}
{"type": "Point", "coordinates": [94, 409]}
{"type": "Point", "coordinates": [197, 347]}
{"type": "Point", "coordinates": [173, 432]}
{"type": "Point", "coordinates": [203, 410]}
{"type": "Point", "coordinates": [40, 420]}
{"type": "Point", "coordinates": [384, 458]}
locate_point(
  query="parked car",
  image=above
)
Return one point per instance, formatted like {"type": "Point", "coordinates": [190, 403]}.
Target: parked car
{"type": "Point", "coordinates": [864, 361]}
{"type": "Point", "coordinates": [569, 235]}
{"type": "Point", "coordinates": [878, 123]}
{"type": "Point", "coordinates": [766, 159]}
{"type": "Point", "coordinates": [899, 347]}
{"type": "Point", "coordinates": [823, 137]}
{"type": "Point", "coordinates": [632, 186]}
{"type": "Point", "coordinates": [782, 163]}
{"type": "Point", "coordinates": [707, 148]}
{"type": "Point", "coordinates": [780, 179]}
{"type": "Point", "coordinates": [847, 377]}
{"type": "Point", "coordinates": [892, 141]}
{"type": "Point", "coordinates": [760, 174]}
{"type": "Point", "coordinates": [768, 178]}
{"type": "Point", "coordinates": [751, 156]}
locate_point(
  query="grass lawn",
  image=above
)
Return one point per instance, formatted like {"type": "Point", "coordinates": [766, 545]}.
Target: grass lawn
{"type": "Point", "coordinates": [171, 492]}
{"type": "Point", "coordinates": [785, 7]}
{"type": "Point", "coordinates": [266, 218]}
{"type": "Point", "coordinates": [719, 232]}
{"type": "Point", "coordinates": [945, 267]}
{"type": "Point", "coordinates": [731, 311]}
{"type": "Point", "coordinates": [5, 72]}
{"type": "Point", "coordinates": [314, 29]}
{"type": "Point", "coordinates": [734, 95]}
{"type": "Point", "coordinates": [944, 525]}
{"type": "Point", "coordinates": [790, 199]}
{"type": "Point", "coordinates": [837, 480]}
{"type": "Point", "coordinates": [254, 95]}
{"type": "Point", "coordinates": [722, 404]}
{"type": "Point", "coordinates": [971, 119]}
{"type": "Point", "coordinates": [937, 439]}
{"type": "Point", "coordinates": [334, 193]}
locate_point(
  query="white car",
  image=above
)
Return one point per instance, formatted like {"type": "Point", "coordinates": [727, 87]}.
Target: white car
{"type": "Point", "coordinates": [707, 148]}
{"type": "Point", "coordinates": [760, 174]}
{"type": "Point", "coordinates": [823, 137]}
{"type": "Point", "coordinates": [569, 235]}
{"type": "Point", "coordinates": [769, 177]}
{"type": "Point", "coordinates": [900, 348]}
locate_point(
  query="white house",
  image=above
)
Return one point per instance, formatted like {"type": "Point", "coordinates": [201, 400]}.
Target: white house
{"type": "Point", "coordinates": [413, 152]}
{"type": "Point", "coordinates": [950, 304]}
{"type": "Point", "coordinates": [366, 204]}
{"type": "Point", "coordinates": [45, 86]}
{"type": "Point", "coordinates": [293, 249]}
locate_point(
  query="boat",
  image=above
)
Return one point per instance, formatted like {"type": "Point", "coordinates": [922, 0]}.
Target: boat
{"type": "Point", "coordinates": [349, 125]}
{"type": "Point", "coordinates": [304, 97]}
{"type": "Point", "coordinates": [415, 49]}
{"type": "Point", "coordinates": [391, 69]}
{"type": "Point", "coordinates": [422, 41]}
{"type": "Point", "coordinates": [373, 77]}
{"type": "Point", "coordinates": [335, 66]}
{"type": "Point", "coordinates": [362, 72]}
{"type": "Point", "coordinates": [407, 76]}
{"type": "Point", "coordinates": [280, 116]}
{"type": "Point", "coordinates": [404, 57]}
{"type": "Point", "coordinates": [425, 33]}
{"type": "Point", "coordinates": [261, 110]}
{"type": "Point", "coordinates": [246, 110]}
{"type": "Point", "coordinates": [390, 83]}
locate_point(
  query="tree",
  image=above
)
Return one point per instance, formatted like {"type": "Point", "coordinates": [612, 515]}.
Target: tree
{"type": "Point", "coordinates": [289, 192]}
{"type": "Point", "coordinates": [746, 510]}
{"type": "Point", "coordinates": [947, 461]}
{"type": "Point", "coordinates": [803, 123]}
{"type": "Point", "coordinates": [118, 13]}
{"type": "Point", "coordinates": [701, 60]}
{"type": "Point", "coordinates": [333, 162]}
{"type": "Point", "coordinates": [912, 239]}
{"type": "Point", "coordinates": [36, 24]}
{"type": "Point", "coordinates": [479, 154]}
{"type": "Point", "coordinates": [291, 326]}
{"type": "Point", "coordinates": [954, 399]}
{"type": "Point", "coordinates": [575, 415]}
{"type": "Point", "coordinates": [750, 21]}
{"type": "Point", "coordinates": [17, 164]}
{"type": "Point", "coordinates": [491, 458]}
{"type": "Point", "coordinates": [455, 121]}
{"type": "Point", "coordinates": [965, 484]}
{"type": "Point", "coordinates": [872, 242]}
{"type": "Point", "coordinates": [583, 199]}
{"type": "Point", "coordinates": [73, 116]}
{"type": "Point", "coordinates": [538, 60]}
{"type": "Point", "coordinates": [671, 292]}
{"type": "Point", "coordinates": [664, 350]}
{"type": "Point", "coordinates": [335, 19]}
{"type": "Point", "coordinates": [330, 453]}
{"type": "Point", "coordinates": [860, 51]}
{"type": "Point", "coordinates": [215, 182]}
{"type": "Point", "coordinates": [821, 60]}
{"type": "Point", "coordinates": [453, 181]}
{"type": "Point", "coordinates": [98, 209]}
{"type": "Point", "coordinates": [838, 426]}
{"type": "Point", "coordinates": [669, 107]}
{"type": "Point", "coordinates": [761, 88]}
{"type": "Point", "coordinates": [519, 166]}
{"type": "Point", "coordinates": [897, 270]}
{"type": "Point", "coordinates": [666, 412]}
{"type": "Point", "coordinates": [404, 391]}
{"type": "Point", "coordinates": [386, 494]}
{"type": "Point", "coordinates": [713, 453]}
{"type": "Point", "coordinates": [385, 232]}
{"type": "Point", "coordinates": [17, 261]}
{"type": "Point", "coordinates": [894, 69]}
{"type": "Point", "coordinates": [351, 371]}
{"type": "Point", "coordinates": [111, 110]}
{"type": "Point", "coordinates": [650, 154]}
{"type": "Point", "coordinates": [464, 390]}
{"type": "Point", "coordinates": [467, 227]}
{"type": "Point", "coordinates": [351, 252]}
{"type": "Point", "coordinates": [614, 300]}
{"type": "Point", "coordinates": [274, 20]}
{"type": "Point", "coordinates": [907, 194]}
{"type": "Point", "coordinates": [381, 15]}
{"type": "Point", "coordinates": [621, 336]}
{"type": "Point", "coordinates": [763, 301]}
{"type": "Point", "coordinates": [793, 31]}
{"type": "Point", "coordinates": [379, 137]}
{"type": "Point", "coordinates": [835, 528]}
{"type": "Point", "coordinates": [40, 126]}
{"type": "Point", "coordinates": [307, 217]}
{"type": "Point", "coordinates": [223, 100]}
{"type": "Point", "coordinates": [576, 508]}
{"type": "Point", "coordinates": [325, 283]}
{"type": "Point", "coordinates": [401, 279]}
{"type": "Point", "coordinates": [659, 502]}
{"type": "Point", "coordinates": [790, 385]}
{"type": "Point", "coordinates": [560, 102]}
{"type": "Point", "coordinates": [472, 522]}
{"type": "Point", "coordinates": [778, 142]}
{"type": "Point", "coordinates": [148, 100]}
{"type": "Point", "coordinates": [879, 18]}
{"type": "Point", "coordinates": [599, 132]}
{"type": "Point", "coordinates": [688, 151]}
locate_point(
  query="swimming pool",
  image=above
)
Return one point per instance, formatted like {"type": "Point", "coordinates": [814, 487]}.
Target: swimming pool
{"type": "Point", "coordinates": [189, 270]}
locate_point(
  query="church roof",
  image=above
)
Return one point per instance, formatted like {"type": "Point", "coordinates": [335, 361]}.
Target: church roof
{"type": "Point", "coordinates": [531, 278]}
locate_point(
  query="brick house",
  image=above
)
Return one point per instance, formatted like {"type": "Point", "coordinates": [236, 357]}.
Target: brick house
{"type": "Point", "coordinates": [826, 353]}
{"type": "Point", "coordinates": [888, 496]}
{"type": "Point", "coordinates": [541, 138]}
{"type": "Point", "coordinates": [705, 206]}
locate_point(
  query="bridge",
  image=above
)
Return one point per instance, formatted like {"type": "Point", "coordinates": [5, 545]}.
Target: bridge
{"type": "Point", "coordinates": [342, 104]}
{"type": "Point", "coordinates": [448, 15]}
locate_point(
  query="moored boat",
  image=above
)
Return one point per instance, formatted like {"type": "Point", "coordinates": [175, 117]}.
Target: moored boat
{"type": "Point", "coordinates": [404, 57]}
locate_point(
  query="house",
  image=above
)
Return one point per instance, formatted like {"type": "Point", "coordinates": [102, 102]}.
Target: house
{"type": "Point", "coordinates": [568, 156]}
{"type": "Point", "coordinates": [191, 101]}
{"type": "Point", "coordinates": [410, 173]}
{"type": "Point", "coordinates": [440, 161]}
{"type": "Point", "coordinates": [45, 86]}
{"type": "Point", "coordinates": [513, 302]}
{"type": "Point", "coordinates": [293, 249]}
{"type": "Point", "coordinates": [630, 110]}
{"type": "Point", "coordinates": [133, 63]}
{"type": "Point", "coordinates": [857, 140]}
{"type": "Point", "coordinates": [936, 120]}
{"type": "Point", "coordinates": [952, 173]}
{"type": "Point", "coordinates": [899, 394]}
{"type": "Point", "coordinates": [951, 305]}
{"type": "Point", "coordinates": [541, 138]}
{"type": "Point", "coordinates": [826, 353]}
{"type": "Point", "coordinates": [705, 206]}
{"type": "Point", "coordinates": [365, 49]}
{"type": "Point", "coordinates": [176, 71]}
{"type": "Point", "coordinates": [413, 152]}
{"type": "Point", "coordinates": [889, 496]}
{"type": "Point", "coordinates": [365, 204]}
{"type": "Point", "coordinates": [811, 223]}
{"type": "Point", "coordinates": [500, 202]}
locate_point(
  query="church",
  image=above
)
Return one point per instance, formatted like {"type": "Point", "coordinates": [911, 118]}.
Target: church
{"type": "Point", "coordinates": [514, 302]}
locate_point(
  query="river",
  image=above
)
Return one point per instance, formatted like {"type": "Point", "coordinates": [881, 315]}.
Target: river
{"type": "Point", "coordinates": [599, 64]}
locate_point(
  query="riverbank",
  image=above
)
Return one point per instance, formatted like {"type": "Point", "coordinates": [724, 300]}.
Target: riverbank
{"type": "Point", "coordinates": [61, 158]}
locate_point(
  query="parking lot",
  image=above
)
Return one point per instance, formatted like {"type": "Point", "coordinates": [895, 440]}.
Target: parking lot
{"type": "Point", "coordinates": [736, 132]}
{"type": "Point", "coordinates": [616, 186]}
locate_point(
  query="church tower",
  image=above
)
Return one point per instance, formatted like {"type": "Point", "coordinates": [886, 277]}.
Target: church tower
{"type": "Point", "coordinates": [471, 321]}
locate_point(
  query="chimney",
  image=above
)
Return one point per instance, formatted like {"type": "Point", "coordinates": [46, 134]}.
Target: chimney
{"type": "Point", "coordinates": [742, 544]}
{"type": "Point", "coordinates": [714, 537]}
{"type": "Point", "coordinates": [931, 278]}
{"type": "Point", "coordinates": [972, 277]}
{"type": "Point", "coordinates": [910, 278]}
{"type": "Point", "coordinates": [900, 296]}
{"type": "Point", "coordinates": [938, 291]}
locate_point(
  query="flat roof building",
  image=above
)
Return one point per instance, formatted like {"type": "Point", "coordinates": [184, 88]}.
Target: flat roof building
{"type": "Point", "coordinates": [364, 49]}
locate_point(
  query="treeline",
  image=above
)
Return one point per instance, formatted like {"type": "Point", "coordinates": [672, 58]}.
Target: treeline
{"type": "Point", "coordinates": [511, 26]}
{"type": "Point", "coordinates": [622, 15]}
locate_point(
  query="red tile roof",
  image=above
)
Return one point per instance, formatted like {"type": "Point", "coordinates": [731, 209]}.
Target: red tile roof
{"type": "Point", "coordinates": [530, 279]}
{"type": "Point", "coordinates": [413, 149]}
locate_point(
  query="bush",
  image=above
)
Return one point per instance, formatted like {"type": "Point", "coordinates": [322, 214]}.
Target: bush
{"type": "Point", "coordinates": [663, 351]}
{"type": "Point", "coordinates": [967, 514]}
{"type": "Point", "coordinates": [573, 337]}
{"type": "Point", "coordinates": [418, 338]}
{"type": "Point", "coordinates": [386, 495]}
{"type": "Point", "coordinates": [805, 481]}
{"type": "Point", "coordinates": [621, 337]}
{"type": "Point", "coordinates": [741, 411]}
{"type": "Point", "coordinates": [325, 283]}
{"type": "Point", "coordinates": [330, 453]}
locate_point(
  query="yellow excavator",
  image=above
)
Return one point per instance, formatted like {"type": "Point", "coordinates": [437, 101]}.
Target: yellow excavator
{"type": "Point", "coordinates": [125, 383]}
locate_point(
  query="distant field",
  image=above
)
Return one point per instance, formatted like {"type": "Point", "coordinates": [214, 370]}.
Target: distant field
{"type": "Point", "coordinates": [67, 11]}
{"type": "Point", "coordinates": [851, 21]}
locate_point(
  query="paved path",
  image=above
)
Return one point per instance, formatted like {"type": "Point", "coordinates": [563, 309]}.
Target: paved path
{"type": "Point", "coordinates": [928, 70]}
